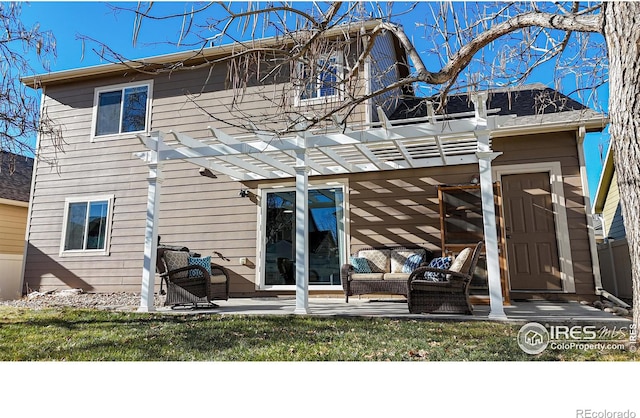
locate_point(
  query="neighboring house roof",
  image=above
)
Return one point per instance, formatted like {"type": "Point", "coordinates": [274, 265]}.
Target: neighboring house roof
{"type": "Point", "coordinates": [15, 176]}
{"type": "Point", "coordinates": [528, 103]}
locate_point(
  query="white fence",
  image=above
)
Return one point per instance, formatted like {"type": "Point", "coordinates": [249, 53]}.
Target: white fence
{"type": "Point", "coordinates": [615, 267]}
{"type": "Point", "coordinates": [10, 276]}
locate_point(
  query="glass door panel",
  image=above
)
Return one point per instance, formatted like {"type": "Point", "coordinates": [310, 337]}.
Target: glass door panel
{"type": "Point", "coordinates": [326, 236]}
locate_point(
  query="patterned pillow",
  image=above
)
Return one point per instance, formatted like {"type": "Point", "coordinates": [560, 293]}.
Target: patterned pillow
{"type": "Point", "coordinates": [203, 262]}
{"type": "Point", "coordinates": [379, 260]}
{"type": "Point", "coordinates": [442, 263]}
{"type": "Point", "coordinates": [360, 264]}
{"type": "Point", "coordinates": [462, 261]}
{"type": "Point", "coordinates": [176, 260]}
{"type": "Point", "coordinates": [399, 258]}
{"type": "Point", "coordinates": [412, 263]}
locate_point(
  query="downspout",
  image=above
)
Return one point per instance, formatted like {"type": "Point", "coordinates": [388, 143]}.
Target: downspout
{"type": "Point", "coordinates": [597, 278]}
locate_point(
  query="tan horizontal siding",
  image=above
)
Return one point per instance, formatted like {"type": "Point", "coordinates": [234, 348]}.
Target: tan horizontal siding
{"type": "Point", "coordinates": [207, 215]}
{"type": "Point", "coordinates": [558, 147]}
{"type": "Point", "coordinates": [13, 225]}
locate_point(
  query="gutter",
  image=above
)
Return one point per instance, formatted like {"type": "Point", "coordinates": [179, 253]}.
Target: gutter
{"type": "Point", "coordinates": [589, 125]}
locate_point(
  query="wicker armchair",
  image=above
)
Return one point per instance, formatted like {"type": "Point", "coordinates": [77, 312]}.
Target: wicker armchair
{"type": "Point", "coordinates": [450, 295]}
{"type": "Point", "coordinates": [191, 284]}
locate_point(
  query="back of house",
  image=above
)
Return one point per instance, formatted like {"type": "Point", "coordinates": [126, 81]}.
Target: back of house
{"type": "Point", "coordinates": [88, 214]}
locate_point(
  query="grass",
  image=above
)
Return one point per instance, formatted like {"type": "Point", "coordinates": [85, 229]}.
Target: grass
{"type": "Point", "coordinates": [65, 334]}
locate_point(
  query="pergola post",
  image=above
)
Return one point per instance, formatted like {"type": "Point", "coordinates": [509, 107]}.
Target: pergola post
{"type": "Point", "coordinates": [485, 156]}
{"type": "Point", "coordinates": [151, 230]}
{"type": "Point", "coordinates": [490, 234]}
{"type": "Point", "coordinates": [302, 233]}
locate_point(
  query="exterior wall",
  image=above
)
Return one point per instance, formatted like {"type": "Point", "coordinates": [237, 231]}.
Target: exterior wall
{"type": "Point", "coordinates": [560, 147]}
{"type": "Point", "coordinates": [612, 212]}
{"type": "Point", "coordinates": [384, 71]}
{"type": "Point", "coordinates": [13, 224]}
{"type": "Point", "coordinates": [209, 216]}
{"type": "Point", "coordinates": [198, 212]}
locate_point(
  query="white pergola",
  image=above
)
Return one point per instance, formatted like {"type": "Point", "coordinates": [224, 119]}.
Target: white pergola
{"type": "Point", "coordinates": [417, 143]}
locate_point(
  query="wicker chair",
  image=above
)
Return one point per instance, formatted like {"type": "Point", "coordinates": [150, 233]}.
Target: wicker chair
{"type": "Point", "coordinates": [450, 295]}
{"type": "Point", "coordinates": [185, 286]}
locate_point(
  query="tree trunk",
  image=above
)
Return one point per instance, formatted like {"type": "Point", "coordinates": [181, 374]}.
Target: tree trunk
{"type": "Point", "coordinates": [623, 42]}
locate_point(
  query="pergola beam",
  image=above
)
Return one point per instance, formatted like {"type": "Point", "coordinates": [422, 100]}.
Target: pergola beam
{"type": "Point", "coordinates": [416, 145]}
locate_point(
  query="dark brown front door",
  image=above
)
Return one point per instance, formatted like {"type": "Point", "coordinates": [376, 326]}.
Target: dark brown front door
{"type": "Point", "coordinates": [532, 252]}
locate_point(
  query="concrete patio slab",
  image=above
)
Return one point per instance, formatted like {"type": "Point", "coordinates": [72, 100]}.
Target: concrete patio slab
{"type": "Point", "coordinates": [543, 312]}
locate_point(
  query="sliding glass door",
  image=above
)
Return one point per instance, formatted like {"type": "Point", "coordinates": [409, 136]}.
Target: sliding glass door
{"type": "Point", "coordinates": [326, 236]}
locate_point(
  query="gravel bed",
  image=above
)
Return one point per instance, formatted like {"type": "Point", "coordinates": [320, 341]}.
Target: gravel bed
{"type": "Point", "coordinates": [78, 299]}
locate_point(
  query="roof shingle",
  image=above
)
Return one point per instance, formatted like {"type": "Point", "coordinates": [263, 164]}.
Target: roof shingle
{"type": "Point", "coordinates": [15, 176]}
{"type": "Point", "coordinates": [528, 100]}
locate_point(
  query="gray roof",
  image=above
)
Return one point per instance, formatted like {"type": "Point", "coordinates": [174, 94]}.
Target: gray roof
{"type": "Point", "coordinates": [528, 100]}
{"type": "Point", "coordinates": [15, 176]}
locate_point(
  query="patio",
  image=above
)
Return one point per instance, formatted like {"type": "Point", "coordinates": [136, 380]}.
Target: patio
{"type": "Point", "coordinates": [517, 313]}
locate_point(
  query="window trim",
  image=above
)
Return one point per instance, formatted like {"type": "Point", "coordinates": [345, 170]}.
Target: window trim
{"type": "Point", "coordinates": [120, 87]}
{"type": "Point", "coordinates": [342, 183]}
{"type": "Point", "coordinates": [339, 91]}
{"type": "Point", "coordinates": [107, 241]}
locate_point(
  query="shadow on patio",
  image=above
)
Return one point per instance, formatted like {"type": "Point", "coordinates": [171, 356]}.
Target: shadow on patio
{"type": "Point", "coordinates": [517, 312]}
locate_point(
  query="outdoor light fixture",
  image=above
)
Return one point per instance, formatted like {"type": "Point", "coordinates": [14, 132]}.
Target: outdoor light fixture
{"type": "Point", "coordinates": [205, 172]}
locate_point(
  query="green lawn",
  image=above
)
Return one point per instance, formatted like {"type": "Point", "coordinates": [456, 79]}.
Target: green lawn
{"type": "Point", "coordinates": [92, 335]}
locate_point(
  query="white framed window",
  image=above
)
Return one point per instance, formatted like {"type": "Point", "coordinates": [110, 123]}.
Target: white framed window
{"type": "Point", "coordinates": [124, 108]}
{"type": "Point", "coordinates": [86, 225]}
{"type": "Point", "coordinates": [326, 248]}
{"type": "Point", "coordinates": [321, 81]}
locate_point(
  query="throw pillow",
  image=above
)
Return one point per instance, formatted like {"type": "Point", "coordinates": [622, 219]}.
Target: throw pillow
{"type": "Point", "coordinates": [412, 263]}
{"type": "Point", "coordinates": [462, 261]}
{"type": "Point", "coordinates": [201, 261]}
{"type": "Point", "coordinates": [399, 257]}
{"type": "Point", "coordinates": [360, 264]}
{"type": "Point", "coordinates": [175, 260]}
{"type": "Point", "coordinates": [442, 263]}
{"type": "Point", "coordinates": [379, 260]}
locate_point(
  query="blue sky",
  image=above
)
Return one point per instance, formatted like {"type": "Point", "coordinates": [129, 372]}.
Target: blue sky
{"type": "Point", "coordinates": [68, 20]}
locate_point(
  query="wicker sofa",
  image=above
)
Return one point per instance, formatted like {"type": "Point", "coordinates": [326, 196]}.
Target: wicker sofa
{"type": "Point", "coordinates": [382, 270]}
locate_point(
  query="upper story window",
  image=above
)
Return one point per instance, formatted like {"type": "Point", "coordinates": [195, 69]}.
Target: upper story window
{"type": "Point", "coordinates": [86, 225]}
{"type": "Point", "coordinates": [120, 109]}
{"type": "Point", "coordinates": [322, 80]}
